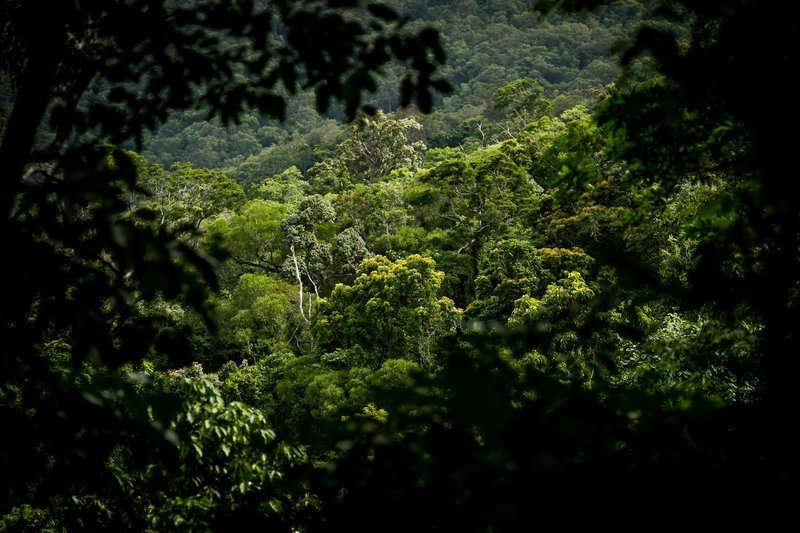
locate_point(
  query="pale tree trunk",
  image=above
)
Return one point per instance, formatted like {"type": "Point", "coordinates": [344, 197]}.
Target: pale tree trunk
{"type": "Point", "coordinates": [299, 278]}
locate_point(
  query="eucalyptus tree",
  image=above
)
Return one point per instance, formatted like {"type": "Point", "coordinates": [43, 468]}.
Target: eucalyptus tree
{"type": "Point", "coordinates": [309, 259]}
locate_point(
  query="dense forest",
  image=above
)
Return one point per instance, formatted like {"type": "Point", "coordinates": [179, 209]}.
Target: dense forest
{"type": "Point", "coordinates": [487, 45]}
{"type": "Point", "coordinates": [455, 265]}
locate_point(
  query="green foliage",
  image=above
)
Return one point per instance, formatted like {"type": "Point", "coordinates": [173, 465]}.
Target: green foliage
{"type": "Point", "coordinates": [512, 268]}
{"type": "Point", "coordinates": [309, 257]}
{"type": "Point", "coordinates": [393, 309]}
{"type": "Point", "coordinates": [259, 317]}
{"type": "Point", "coordinates": [627, 270]}
{"type": "Point", "coordinates": [471, 199]}
{"type": "Point", "coordinates": [559, 314]}
{"type": "Point", "coordinates": [522, 100]}
{"type": "Point", "coordinates": [488, 46]}
{"type": "Point", "coordinates": [287, 187]}
{"type": "Point", "coordinates": [93, 262]}
{"type": "Point", "coordinates": [377, 146]}
{"type": "Point", "coordinates": [329, 176]}
{"type": "Point", "coordinates": [25, 519]}
{"type": "Point", "coordinates": [228, 463]}
{"type": "Point", "coordinates": [183, 195]}
{"type": "Point", "coordinates": [374, 210]}
{"type": "Point", "coordinates": [252, 236]}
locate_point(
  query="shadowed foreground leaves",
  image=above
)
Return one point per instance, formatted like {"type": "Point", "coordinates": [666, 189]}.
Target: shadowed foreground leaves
{"type": "Point", "coordinates": [86, 261]}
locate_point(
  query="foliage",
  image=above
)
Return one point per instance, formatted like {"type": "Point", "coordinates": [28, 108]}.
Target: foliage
{"type": "Point", "coordinates": [392, 310]}
{"type": "Point", "coordinates": [228, 464]}
{"type": "Point", "coordinates": [259, 316]}
{"type": "Point", "coordinates": [488, 45]}
{"type": "Point", "coordinates": [377, 146]}
{"type": "Point", "coordinates": [93, 269]}
{"type": "Point", "coordinates": [185, 196]}
{"type": "Point", "coordinates": [277, 341]}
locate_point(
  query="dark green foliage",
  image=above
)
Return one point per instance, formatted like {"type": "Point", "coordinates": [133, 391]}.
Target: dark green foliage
{"type": "Point", "coordinates": [92, 286]}
{"type": "Point", "coordinates": [482, 446]}
{"type": "Point", "coordinates": [487, 47]}
{"type": "Point", "coordinates": [181, 353]}
{"type": "Point", "coordinates": [708, 108]}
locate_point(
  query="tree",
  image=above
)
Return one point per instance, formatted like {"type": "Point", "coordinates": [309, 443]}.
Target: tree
{"type": "Point", "coordinates": [329, 176]}
{"type": "Point", "coordinates": [559, 315]}
{"type": "Point", "coordinates": [259, 317]}
{"type": "Point", "coordinates": [228, 462]}
{"type": "Point", "coordinates": [349, 251]}
{"type": "Point", "coordinates": [511, 268]}
{"type": "Point", "coordinates": [288, 187]}
{"type": "Point", "coordinates": [374, 210]}
{"type": "Point", "coordinates": [471, 198]}
{"type": "Point", "coordinates": [698, 121]}
{"type": "Point", "coordinates": [701, 116]}
{"type": "Point", "coordinates": [376, 146]}
{"type": "Point", "coordinates": [392, 310]}
{"type": "Point", "coordinates": [183, 195]}
{"type": "Point", "coordinates": [253, 235]}
{"type": "Point", "coordinates": [523, 100]}
{"type": "Point", "coordinates": [308, 258]}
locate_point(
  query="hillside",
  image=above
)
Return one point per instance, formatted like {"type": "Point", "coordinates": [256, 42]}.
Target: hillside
{"type": "Point", "coordinates": [488, 44]}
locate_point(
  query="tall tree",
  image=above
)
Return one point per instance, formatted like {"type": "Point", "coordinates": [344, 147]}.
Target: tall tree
{"type": "Point", "coordinates": [378, 145]}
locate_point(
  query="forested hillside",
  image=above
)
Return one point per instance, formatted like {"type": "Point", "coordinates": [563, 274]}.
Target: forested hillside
{"type": "Point", "coordinates": [249, 289]}
{"type": "Point", "coordinates": [488, 44]}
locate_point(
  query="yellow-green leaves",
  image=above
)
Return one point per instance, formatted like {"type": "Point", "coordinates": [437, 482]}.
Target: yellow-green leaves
{"type": "Point", "coordinates": [392, 308]}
